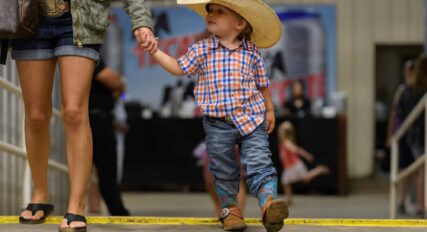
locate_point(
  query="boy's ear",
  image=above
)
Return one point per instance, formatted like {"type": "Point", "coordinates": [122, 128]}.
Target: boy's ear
{"type": "Point", "coordinates": [242, 24]}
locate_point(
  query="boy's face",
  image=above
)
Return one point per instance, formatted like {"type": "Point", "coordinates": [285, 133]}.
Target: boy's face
{"type": "Point", "coordinates": [222, 21]}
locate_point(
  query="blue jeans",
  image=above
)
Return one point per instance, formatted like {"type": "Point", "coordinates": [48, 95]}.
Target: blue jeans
{"type": "Point", "coordinates": [54, 38]}
{"type": "Point", "coordinates": [255, 156]}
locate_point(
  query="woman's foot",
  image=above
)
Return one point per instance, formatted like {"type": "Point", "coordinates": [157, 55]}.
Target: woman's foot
{"type": "Point", "coordinates": [73, 223]}
{"type": "Point", "coordinates": [27, 214]}
{"type": "Point", "coordinates": [35, 213]}
{"type": "Point", "coordinates": [37, 198]}
{"type": "Point", "coordinates": [401, 209]}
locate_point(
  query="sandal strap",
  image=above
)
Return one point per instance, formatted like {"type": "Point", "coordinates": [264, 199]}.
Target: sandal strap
{"type": "Point", "coordinates": [74, 218]}
{"type": "Point", "coordinates": [34, 207]}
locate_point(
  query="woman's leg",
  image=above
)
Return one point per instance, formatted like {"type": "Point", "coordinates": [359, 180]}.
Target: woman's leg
{"type": "Point", "coordinates": [36, 79]}
{"type": "Point", "coordinates": [94, 195]}
{"type": "Point", "coordinates": [403, 189]}
{"type": "Point", "coordinates": [76, 76]}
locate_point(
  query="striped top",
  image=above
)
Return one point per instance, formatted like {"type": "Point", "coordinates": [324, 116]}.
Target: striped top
{"type": "Point", "coordinates": [228, 81]}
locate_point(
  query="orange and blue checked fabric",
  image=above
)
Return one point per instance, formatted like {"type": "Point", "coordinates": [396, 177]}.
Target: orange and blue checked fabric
{"type": "Point", "coordinates": [228, 81]}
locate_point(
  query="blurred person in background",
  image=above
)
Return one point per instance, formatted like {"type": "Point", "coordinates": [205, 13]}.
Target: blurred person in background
{"type": "Point", "coordinates": [165, 110]}
{"type": "Point", "coordinates": [415, 134]}
{"type": "Point", "coordinates": [189, 107]}
{"type": "Point", "coordinates": [297, 105]}
{"type": "Point", "coordinates": [294, 169]}
{"type": "Point", "coordinates": [395, 120]}
{"type": "Point", "coordinates": [107, 87]}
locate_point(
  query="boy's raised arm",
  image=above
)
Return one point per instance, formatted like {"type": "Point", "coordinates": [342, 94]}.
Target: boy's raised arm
{"type": "Point", "coordinates": [168, 62]}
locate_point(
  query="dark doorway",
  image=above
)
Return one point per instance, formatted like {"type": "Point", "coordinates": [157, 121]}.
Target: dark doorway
{"type": "Point", "coordinates": [389, 67]}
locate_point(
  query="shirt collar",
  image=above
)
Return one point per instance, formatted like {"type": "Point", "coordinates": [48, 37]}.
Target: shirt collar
{"type": "Point", "coordinates": [213, 42]}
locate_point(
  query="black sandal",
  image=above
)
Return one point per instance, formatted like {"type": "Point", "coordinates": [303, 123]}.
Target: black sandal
{"type": "Point", "coordinates": [34, 207]}
{"type": "Point", "coordinates": [74, 218]}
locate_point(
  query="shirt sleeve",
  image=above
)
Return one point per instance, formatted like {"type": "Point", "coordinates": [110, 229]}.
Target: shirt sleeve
{"type": "Point", "coordinates": [189, 62]}
{"type": "Point", "coordinates": [261, 77]}
{"type": "Point", "coordinates": [140, 14]}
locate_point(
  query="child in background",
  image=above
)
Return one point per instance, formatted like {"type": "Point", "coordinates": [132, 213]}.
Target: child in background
{"type": "Point", "coordinates": [294, 169]}
{"type": "Point", "coordinates": [232, 91]}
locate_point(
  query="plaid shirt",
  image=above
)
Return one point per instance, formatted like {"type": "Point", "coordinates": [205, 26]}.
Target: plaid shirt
{"type": "Point", "coordinates": [228, 81]}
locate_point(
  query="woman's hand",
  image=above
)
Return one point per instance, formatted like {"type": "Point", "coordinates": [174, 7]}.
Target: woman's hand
{"type": "Point", "coordinates": [146, 39]}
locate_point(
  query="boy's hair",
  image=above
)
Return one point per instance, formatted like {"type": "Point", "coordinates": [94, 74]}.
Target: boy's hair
{"type": "Point", "coordinates": [247, 32]}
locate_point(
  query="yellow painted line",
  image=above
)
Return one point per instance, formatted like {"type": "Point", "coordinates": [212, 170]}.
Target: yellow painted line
{"type": "Point", "coordinates": [357, 222]}
{"type": "Point", "coordinates": [249, 221]}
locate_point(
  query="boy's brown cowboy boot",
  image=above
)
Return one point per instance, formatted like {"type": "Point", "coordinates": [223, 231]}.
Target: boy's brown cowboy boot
{"type": "Point", "coordinates": [274, 212]}
{"type": "Point", "coordinates": [232, 219]}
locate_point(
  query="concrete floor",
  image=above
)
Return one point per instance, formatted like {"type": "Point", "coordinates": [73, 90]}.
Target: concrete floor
{"type": "Point", "coordinates": [368, 200]}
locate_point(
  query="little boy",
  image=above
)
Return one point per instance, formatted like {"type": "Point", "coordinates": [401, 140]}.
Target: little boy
{"type": "Point", "coordinates": [232, 91]}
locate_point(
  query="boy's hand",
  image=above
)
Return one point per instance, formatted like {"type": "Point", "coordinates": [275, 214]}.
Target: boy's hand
{"type": "Point", "coordinates": [146, 39]}
{"type": "Point", "coordinates": [271, 120]}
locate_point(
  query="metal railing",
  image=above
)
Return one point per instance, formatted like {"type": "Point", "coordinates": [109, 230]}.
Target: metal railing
{"type": "Point", "coordinates": [15, 178]}
{"type": "Point", "coordinates": [397, 176]}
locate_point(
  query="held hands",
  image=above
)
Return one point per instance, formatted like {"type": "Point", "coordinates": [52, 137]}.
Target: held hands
{"type": "Point", "coordinates": [270, 120]}
{"type": "Point", "coordinates": [146, 39]}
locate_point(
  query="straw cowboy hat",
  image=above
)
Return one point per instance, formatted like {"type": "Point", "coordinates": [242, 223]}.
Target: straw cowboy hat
{"type": "Point", "coordinates": [266, 26]}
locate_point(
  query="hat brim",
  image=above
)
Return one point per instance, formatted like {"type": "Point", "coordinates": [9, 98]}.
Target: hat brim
{"type": "Point", "coordinates": [266, 26]}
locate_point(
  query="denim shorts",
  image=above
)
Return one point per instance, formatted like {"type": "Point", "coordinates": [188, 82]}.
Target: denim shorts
{"type": "Point", "coordinates": [54, 38]}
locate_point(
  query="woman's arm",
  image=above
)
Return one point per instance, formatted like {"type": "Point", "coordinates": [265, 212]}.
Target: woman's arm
{"type": "Point", "coordinates": [110, 79]}
{"type": "Point", "coordinates": [140, 14]}
{"type": "Point", "coordinates": [142, 24]}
